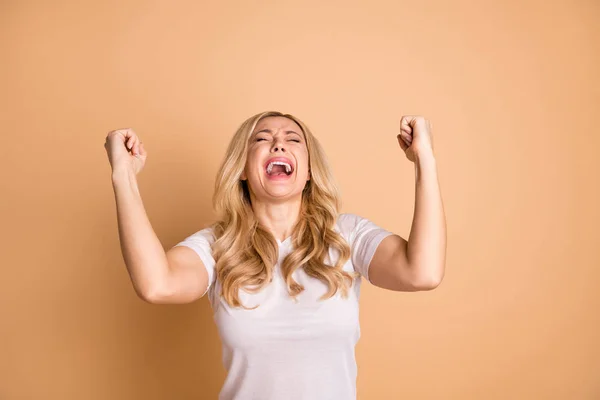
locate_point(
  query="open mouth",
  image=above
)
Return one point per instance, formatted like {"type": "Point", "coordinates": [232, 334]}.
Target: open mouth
{"type": "Point", "coordinates": [279, 168]}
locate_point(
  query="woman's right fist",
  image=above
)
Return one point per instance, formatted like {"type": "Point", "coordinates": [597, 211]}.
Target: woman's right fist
{"type": "Point", "coordinates": [125, 150]}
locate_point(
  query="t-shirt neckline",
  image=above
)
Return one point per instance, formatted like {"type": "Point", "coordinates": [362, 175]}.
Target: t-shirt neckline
{"type": "Point", "coordinates": [284, 241]}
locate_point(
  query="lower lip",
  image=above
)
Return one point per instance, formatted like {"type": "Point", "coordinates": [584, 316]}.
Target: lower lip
{"type": "Point", "coordinates": [282, 177]}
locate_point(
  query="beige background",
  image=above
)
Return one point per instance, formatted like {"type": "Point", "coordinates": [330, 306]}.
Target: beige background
{"type": "Point", "coordinates": [513, 93]}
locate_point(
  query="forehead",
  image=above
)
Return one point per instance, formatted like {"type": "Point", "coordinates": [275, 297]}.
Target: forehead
{"type": "Point", "coordinates": [276, 123]}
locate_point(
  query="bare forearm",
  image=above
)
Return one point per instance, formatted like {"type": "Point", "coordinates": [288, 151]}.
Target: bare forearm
{"type": "Point", "coordinates": [426, 249]}
{"type": "Point", "coordinates": [142, 251]}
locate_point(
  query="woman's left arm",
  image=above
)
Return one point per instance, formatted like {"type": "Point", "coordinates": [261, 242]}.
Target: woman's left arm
{"type": "Point", "coordinates": [419, 263]}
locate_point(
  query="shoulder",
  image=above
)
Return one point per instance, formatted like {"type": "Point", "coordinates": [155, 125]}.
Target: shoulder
{"type": "Point", "coordinates": [207, 233]}
{"type": "Point", "coordinates": [355, 227]}
{"type": "Point", "coordinates": [205, 236]}
{"type": "Point", "coordinates": [347, 223]}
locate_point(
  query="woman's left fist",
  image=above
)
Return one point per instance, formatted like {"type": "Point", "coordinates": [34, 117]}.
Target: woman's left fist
{"type": "Point", "coordinates": [415, 136]}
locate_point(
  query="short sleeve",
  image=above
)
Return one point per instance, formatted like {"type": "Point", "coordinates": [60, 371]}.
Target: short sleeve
{"type": "Point", "coordinates": [201, 242]}
{"type": "Point", "coordinates": [364, 237]}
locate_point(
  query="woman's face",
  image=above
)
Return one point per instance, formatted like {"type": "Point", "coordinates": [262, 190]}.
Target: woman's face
{"type": "Point", "coordinates": [275, 142]}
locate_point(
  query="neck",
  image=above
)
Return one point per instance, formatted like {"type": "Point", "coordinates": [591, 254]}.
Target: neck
{"type": "Point", "coordinates": [278, 218]}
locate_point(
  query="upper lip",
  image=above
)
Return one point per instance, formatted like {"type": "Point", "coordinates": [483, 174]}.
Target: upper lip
{"type": "Point", "coordinates": [284, 159]}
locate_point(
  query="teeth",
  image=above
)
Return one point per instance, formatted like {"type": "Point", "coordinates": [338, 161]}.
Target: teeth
{"type": "Point", "coordinates": [288, 168]}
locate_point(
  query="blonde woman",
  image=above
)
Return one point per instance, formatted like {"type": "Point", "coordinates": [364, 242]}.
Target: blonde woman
{"type": "Point", "coordinates": [281, 266]}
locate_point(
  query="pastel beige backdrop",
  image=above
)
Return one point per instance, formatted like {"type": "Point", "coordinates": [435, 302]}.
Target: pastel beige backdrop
{"type": "Point", "coordinates": [513, 92]}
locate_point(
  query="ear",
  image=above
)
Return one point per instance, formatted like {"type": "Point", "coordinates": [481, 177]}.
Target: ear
{"type": "Point", "coordinates": [243, 176]}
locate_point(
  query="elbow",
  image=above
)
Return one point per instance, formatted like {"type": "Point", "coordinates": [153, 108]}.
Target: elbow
{"type": "Point", "coordinates": [154, 295]}
{"type": "Point", "coordinates": [427, 282]}
{"type": "Point", "coordinates": [152, 298]}
{"type": "Point", "coordinates": [430, 284]}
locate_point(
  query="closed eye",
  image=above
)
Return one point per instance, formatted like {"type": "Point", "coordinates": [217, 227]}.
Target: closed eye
{"type": "Point", "coordinates": [293, 140]}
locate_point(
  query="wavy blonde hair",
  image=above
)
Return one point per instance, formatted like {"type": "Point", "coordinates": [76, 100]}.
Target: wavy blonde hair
{"type": "Point", "coordinates": [246, 253]}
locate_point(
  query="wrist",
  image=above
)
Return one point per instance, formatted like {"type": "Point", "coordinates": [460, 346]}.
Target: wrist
{"type": "Point", "coordinates": [122, 174]}
{"type": "Point", "coordinates": [425, 156]}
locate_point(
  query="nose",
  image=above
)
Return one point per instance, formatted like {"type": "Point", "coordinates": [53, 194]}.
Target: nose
{"type": "Point", "coordinates": [278, 146]}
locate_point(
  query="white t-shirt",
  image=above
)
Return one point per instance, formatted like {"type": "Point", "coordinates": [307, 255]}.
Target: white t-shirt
{"type": "Point", "coordinates": [286, 350]}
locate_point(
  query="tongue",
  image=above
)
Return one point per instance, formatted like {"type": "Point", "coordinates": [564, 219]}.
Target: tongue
{"type": "Point", "coordinates": [278, 170]}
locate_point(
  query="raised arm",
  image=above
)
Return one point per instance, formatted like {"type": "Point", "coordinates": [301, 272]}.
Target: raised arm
{"type": "Point", "coordinates": [177, 276]}
{"type": "Point", "coordinates": [417, 263]}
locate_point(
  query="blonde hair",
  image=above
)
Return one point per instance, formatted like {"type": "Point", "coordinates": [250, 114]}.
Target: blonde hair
{"type": "Point", "coordinates": [246, 253]}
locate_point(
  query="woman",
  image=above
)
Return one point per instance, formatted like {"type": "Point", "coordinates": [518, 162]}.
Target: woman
{"type": "Point", "coordinates": [281, 266]}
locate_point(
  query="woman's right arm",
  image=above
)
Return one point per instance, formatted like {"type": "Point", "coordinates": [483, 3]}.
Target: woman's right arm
{"type": "Point", "coordinates": [177, 276]}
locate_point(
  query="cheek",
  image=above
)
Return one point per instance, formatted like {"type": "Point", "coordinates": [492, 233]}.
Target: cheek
{"type": "Point", "coordinates": [250, 156]}
{"type": "Point", "coordinates": [305, 158]}
{"type": "Point", "coordinates": [251, 159]}
{"type": "Point", "coordinates": [305, 164]}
